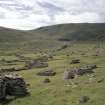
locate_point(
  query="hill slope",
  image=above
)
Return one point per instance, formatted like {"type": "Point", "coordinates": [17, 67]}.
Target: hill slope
{"type": "Point", "coordinates": [51, 36]}
{"type": "Point", "coordinates": [79, 31]}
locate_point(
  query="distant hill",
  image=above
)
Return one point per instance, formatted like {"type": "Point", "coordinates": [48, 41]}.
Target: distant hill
{"type": "Point", "coordinates": [50, 35]}
{"type": "Point", "coordinates": [79, 31]}
{"type": "Point", "coordinates": [70, 32]}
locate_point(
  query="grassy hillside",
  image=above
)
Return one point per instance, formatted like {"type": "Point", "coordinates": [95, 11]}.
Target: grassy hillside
{"type": "Point", "coordinates": [51, 36]}
{"type": "Point", "coordinates": [70, 32]}
{"type": "Point", "coordinates": [17, 47]}
{"type": "Point", "coordinates": [60, 91]}
{"type": "Point", "coordinates": [79, 31]}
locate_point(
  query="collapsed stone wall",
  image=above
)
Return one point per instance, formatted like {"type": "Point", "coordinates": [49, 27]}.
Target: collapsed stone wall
{"type": "Point", "coordinates": [12, 84]}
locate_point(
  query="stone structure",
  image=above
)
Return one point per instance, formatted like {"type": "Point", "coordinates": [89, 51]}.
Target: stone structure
{"type": "Point", "coordinates": [2, 89]}
{"type": "Point", "coordinates": [13, 85]}
{"type": "Point", "coordinates": [75, 61]}
{"type": "Point", "coordinates": [36, 64]}
{"type": "Point", "coordinates": [47, 73]}
{"type": "Point", "coordinates": [70, 74]}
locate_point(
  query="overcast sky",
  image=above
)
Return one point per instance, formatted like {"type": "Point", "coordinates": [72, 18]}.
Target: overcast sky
{"type": "Point", "coordinates": [30, 14]}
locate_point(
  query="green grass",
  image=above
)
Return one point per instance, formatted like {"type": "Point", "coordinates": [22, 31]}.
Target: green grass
{"type": "Point", "coordinates": [57, 92]}
{"type": "Point", "coordinates": [43, 41]}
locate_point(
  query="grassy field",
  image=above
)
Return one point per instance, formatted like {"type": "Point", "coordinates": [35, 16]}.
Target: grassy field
{"type": "Point", "coordinates": [58, 92]}
{"type": "Point", "coordinates": [64, 42]}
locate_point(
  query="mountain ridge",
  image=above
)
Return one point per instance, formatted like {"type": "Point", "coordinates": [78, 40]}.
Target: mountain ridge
{"type": "Point", "coordinates": [61, 32]}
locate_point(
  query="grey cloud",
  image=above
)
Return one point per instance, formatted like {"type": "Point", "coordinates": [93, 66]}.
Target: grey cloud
{"type": "Point", "coordinates": [52, 9]}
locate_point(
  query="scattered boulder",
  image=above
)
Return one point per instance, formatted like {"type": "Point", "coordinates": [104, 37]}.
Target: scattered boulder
{"type": "Point", "coordinates": [75, 61]}
{"type": "Point", "coordinates": [84, 99]}
{"type": "Point", "coordinates": [47, 80]}
{"type": "Point", "coordinates": [47, 73]}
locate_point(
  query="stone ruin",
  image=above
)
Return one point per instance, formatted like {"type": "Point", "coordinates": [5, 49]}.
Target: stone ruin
{"type": "Point", "coordinates": [75, 61]}
{"type": "Point", "coordinates": [12, 69]}
{"type": "Point", "coordinates": [37, 63]}
{"type": "Point", "coordinates": [46, 73]}
{"type": "Point", "coordinates": [2, 89]}
{"type": "Point", "coordinates": [70, 74]}
{"type": "Point", "coordinates": [12, 85]}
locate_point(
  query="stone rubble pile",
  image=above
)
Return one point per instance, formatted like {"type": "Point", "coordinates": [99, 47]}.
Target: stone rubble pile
{"type": "Point", "coordinates": [46, 73]}
{"type": "Point", "coordinates": [13, 85]}
{"type": "Point", "coordinates": [37, 63]}
{"type": "Point", "coordinates": [2, 89]}
{"type": "Point", "coordinates": [70, 74]}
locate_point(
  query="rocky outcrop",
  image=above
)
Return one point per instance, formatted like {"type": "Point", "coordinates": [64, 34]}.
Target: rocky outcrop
{"type": "Point", "coordinates": [75, 61]}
